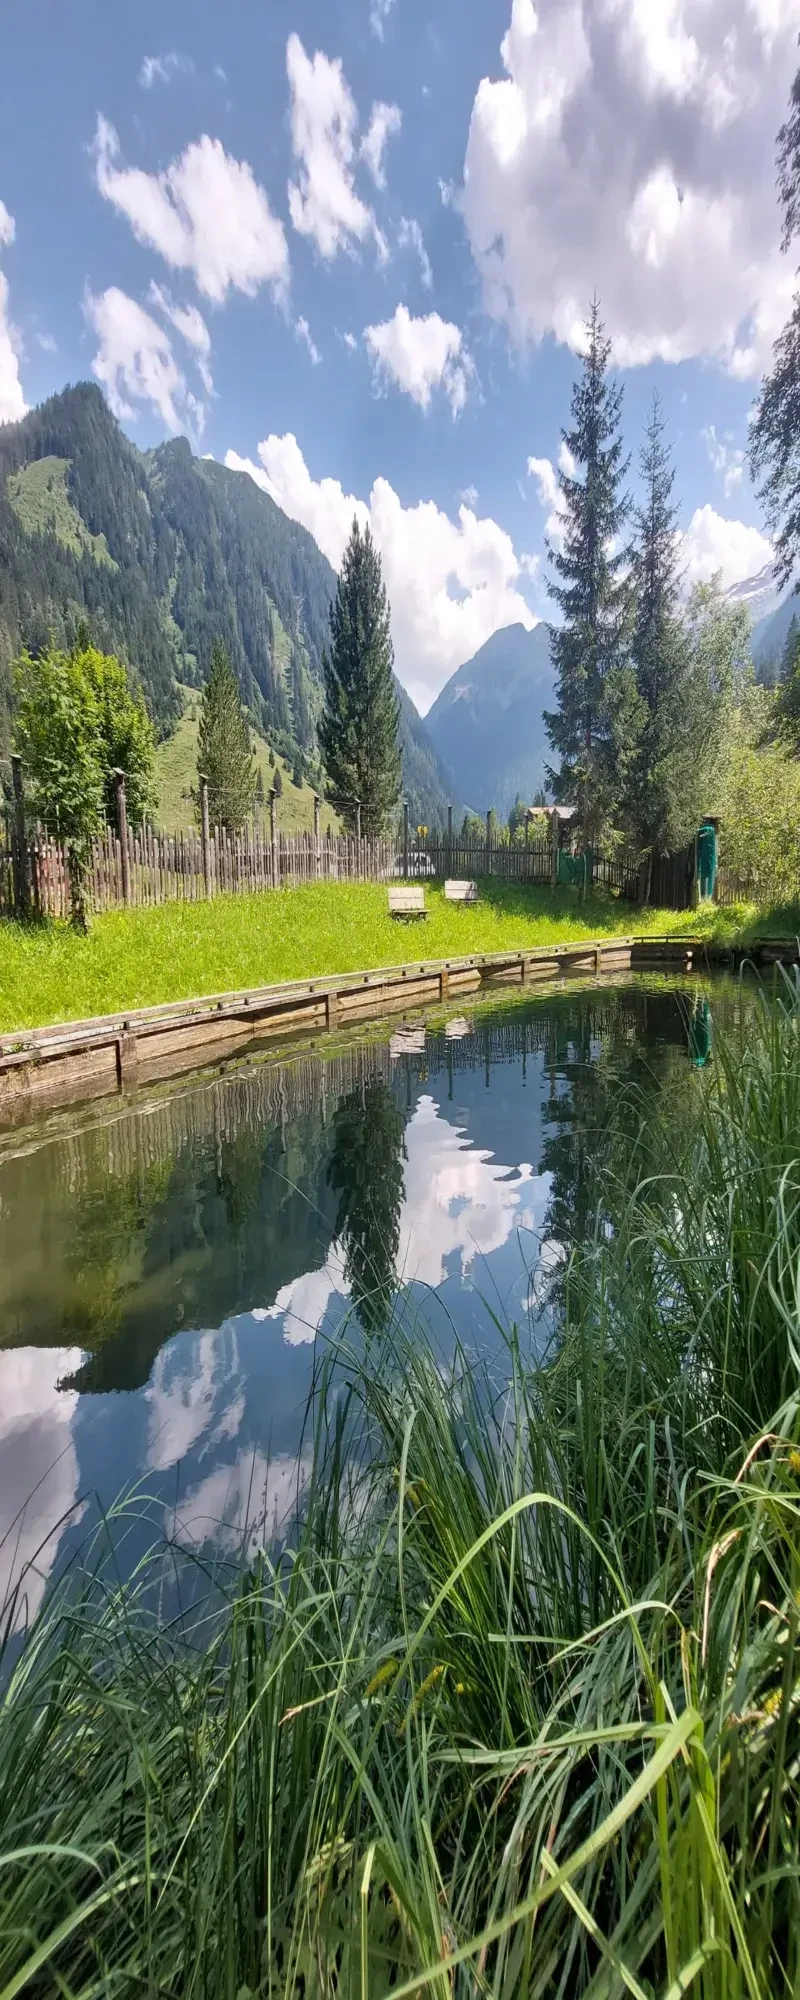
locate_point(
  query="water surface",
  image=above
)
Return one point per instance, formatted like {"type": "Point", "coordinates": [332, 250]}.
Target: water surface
{"type": "Point", "coordinates": [169, 1266]}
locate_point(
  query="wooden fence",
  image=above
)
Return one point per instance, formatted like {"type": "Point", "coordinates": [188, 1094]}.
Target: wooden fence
{"type": "Point", "coordinates": [150, 868]}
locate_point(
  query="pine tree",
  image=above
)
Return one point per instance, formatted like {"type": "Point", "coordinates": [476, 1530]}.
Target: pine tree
{"type": "Point", "coordinates": [224, 750]}
{"type": "Point", "coordinates": [774, 431]}
{"type": "Point", "coordinates": [659, 810]}
{"type": "Point", "coordinates": [359, 728]}
{"type": "Point", "coordinates": [591, 729]}
{"type": "Point", "coordinates": [787, 703]}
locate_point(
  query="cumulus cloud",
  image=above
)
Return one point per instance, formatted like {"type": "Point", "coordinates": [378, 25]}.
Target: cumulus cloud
{"type": "Point", "coordinates": [625, 147]}
{"type": "Point", "coordinates": [550, 494]}
{"type": "Point", "coordinates": [410, 237]}
{"type": "Point", "coordinates": [451, 583]}
{"type": "Point", "coordinates": [136, 364]}
{"type": "Point", "coordinates": [420, 356]}
{"type": "Point", "coordinates": [303, 332]}
{"type": "Point", "coordinates": [160, 69]}
{"type": "Point", "coordinates": [38, 1461]}
{"type": "Point", "coordinates": [714, 546]}
{"type": "Point", "coordinates": [323, 202]}
{"type": "Point", "coordinates": [206, 213]}
{"type": "Point", "coordinates": [386, 120]}
{"type": "Point", "coordinates": [12, 401]}
{"type": "Point", "coordinates": [190, 324]}
{"type": "Point", "coordinates": [727, 459]}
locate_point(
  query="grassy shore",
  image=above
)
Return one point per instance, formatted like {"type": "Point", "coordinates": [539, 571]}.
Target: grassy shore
{"type": "Point", "coordinates": [142, 957]}
{"type": "Point", "coordinates": [517, 1709]}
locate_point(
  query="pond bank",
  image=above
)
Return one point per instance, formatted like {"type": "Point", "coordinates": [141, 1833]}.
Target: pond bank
{"type": "Point", "coordinates": [112, 1053]}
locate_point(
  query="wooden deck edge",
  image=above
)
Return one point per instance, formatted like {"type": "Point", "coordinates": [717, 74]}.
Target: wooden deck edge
{"type": "Point", "coordinates": [113, 1052]}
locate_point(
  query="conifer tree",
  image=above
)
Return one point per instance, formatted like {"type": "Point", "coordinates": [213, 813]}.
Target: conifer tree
{"type": "Point", "coordinates": [659, 803]}
{"type": "Point", "coordinates": [366, 1171]}
{"type": "Point", "coordinates": [593, 728]}
{"type": "Point", "coordinates": [359, 728]}
{"type": "Point", "coordinates": [224, 751]}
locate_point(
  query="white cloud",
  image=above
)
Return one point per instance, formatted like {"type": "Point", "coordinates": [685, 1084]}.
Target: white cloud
{"type": "Point", "coordinates": [323, 202]}
{"type": "Point", "coordinates": [350, 341]}
{"type": "Point", "coordinates": [303, 331]}
{"type": "Point", "coordinates": [469, 497]}
{"type": "Point", "coordinates": [241, 1506]}
{"type": "Point", "coordinates": [206, 213]}
{"type": "Point", "coordinates": [727, 459]}
{"type": "Point", "coordinates": [625, 147]}
{"type": "Point", "coordinates": [421, 355]}
{"type": "Point", "coordinates": [195, 1396]}
{"type": "Point", "coordinates": [188, 322]}
{"type": "Point", "coordinates": [38, 1461]}
{"type": "Point", "coordinates": [378, 15]}
{"type": "Point", "coordinates": [12, 401]}
{"type": "Point", "coordinates": [550, 495]}
{"type": "Point", "coordinates": [159, 69]}
{"type": "Point", "coordinates": [46, 342]}
{"type": "Point", "coordinates": [713, 546]}
{"type": "Point", "coordinates": [410, 236]}
{"type": "Point", "coordinates": [136, 364]}
{"type": "Point", "coordinates": [385, 121]}
{"type": "Point", "coordinates": [450, 583]}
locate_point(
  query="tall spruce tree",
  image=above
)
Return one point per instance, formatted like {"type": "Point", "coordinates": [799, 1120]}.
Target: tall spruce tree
{"type": "Point", "coordinates": [358, 730]}
{"type": "Point", "coordinates": [593, 728]}
{"type": "Point", "coordinates": [659, 804]}
{"type": "Point", "coordinates": [775, 429]}
{"type": "Point", "coordinates": [224, 751]}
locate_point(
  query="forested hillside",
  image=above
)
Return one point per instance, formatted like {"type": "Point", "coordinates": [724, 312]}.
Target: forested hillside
{"type": "Point", "coordinates": [162, 552]}
{"type": "Point", "coordinates": [489, 719]}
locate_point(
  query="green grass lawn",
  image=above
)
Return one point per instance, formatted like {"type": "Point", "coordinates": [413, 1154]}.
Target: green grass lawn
{"type": "Point", "coordinates": [139, 958]}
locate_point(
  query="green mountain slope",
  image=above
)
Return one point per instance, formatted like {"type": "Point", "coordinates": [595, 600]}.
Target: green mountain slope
{"type": "Point", "coordinates": [163, 552]}
{"type": "Point", "coordinates": [488, 720]}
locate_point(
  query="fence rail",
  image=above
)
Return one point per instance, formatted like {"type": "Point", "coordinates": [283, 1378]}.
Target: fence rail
{"type": "Point", "coordinates": [153, 868]}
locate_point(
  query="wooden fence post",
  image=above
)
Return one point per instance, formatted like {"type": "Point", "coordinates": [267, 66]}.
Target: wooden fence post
{"type": "Point", "coordinates": [205, 840]}
{"type": "Point", "coordinates": [122, 829]}
{"type": "Point", "coordinates": [449, 837]}
{"type": "Point", "coordinates": [358, 819]}
{"type": "Point", "coordinates": [19, 856]}
{"type": "Point", "coordinates": [316, 835]}
{"type": "Point", "coordinates": [405, 843]}
{"type": "Point", "coordinates": [273, 836]}
{"type": "Point", "coordinates": [489, 841]}
{"type": "Point", "coordinates": [554, 847]}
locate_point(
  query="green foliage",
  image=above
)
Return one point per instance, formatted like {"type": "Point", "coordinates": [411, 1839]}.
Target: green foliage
{"type": "Point", "coordinates": [774, 429]}
{"type": "Point", "coordinates": [224, 751]}
{"type": "Point", "coordinates": [40, 498]}
{"type": "Point", "coordinates": [277, 782]}
{"type": "Point", "coordinates": [518, 1713]}
{"type": "Point", "coordinates": [787, 706]}
{"type": "Point", "coordinates": [759, 800]}
{"type": "Point", "coordinates": [297, 774]}
{"type": "Point", "coordinates": [517, 817]}
{"type": "Point", "coordinates": [125, 733]}
{"type": "Point", "coordinates": [359, 729]}
{"type": "Point", "coordinates": [366, 1172]}
{"type": "Point", "coordinates": [58, 738]}
{"type": "Point", "coordinates": [594, 727]}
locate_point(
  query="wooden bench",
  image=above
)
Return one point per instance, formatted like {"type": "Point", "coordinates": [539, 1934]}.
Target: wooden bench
{"type": "Point", "coordinates": [405, 904]}
{"type": "Point", "coordinates": [461, 892]}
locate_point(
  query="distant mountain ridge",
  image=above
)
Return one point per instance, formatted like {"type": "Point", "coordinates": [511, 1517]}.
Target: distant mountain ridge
{"type": "Point", "coordinates": [488, 721]}
{"type": "Point", "coordinates": [163, 552]}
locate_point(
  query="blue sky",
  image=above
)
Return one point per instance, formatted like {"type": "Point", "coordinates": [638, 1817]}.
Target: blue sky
{"type": "Point", "coordinates": [349, 245]}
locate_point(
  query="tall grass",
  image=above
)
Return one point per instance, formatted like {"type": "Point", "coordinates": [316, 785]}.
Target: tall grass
{"type": "Point", "coordinates": [514, 1711]}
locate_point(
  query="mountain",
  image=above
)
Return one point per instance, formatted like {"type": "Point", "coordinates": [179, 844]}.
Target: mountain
{"type": "Point", "coordinates": [162, 552]}
{"type": "Point", "coordinates": [768, 639]}
{"type": "Point", "coordinates": [760, 593]}
{"type": "Point", "coordinates": [487, 723]}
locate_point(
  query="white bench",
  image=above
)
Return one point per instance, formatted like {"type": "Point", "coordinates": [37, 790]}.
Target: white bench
{"type": "Point", "coordinates": [406, 904]}
{"type": "Point", "coordinates": [461, 892]}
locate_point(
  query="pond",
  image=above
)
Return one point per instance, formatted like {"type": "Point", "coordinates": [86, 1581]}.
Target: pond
{"type": "Point", "coordinates": [170, 1266]}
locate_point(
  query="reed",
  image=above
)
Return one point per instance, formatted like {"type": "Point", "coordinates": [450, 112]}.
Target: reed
{"type": "Point", "coordinates": [514, 1709]}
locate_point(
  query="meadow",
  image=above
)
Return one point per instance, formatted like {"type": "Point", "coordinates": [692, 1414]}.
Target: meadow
{"type": "Point", "coordinates": [139, 958]}
{"type": "Point", "coordinates": [515, 1707]}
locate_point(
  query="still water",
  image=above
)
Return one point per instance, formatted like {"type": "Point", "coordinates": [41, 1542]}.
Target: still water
{"type": "Point", "coordinates": [169, 1267]}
